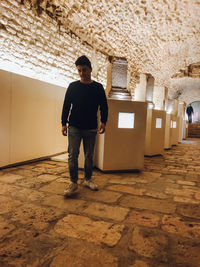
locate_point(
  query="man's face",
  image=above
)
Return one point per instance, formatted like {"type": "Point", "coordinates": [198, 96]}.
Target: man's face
{"type": "Point", "coordinates": [84, 73]}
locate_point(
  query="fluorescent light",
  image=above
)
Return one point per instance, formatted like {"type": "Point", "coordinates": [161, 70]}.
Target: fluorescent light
{"type": "Point", "coordinates": [126, 120]}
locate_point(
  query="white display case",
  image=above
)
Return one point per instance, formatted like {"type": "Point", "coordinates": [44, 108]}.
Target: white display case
{"type": "Point", "coordinates": [122, 145]}
{"type": "Point", "coordinates": [174, 131]}
{"type": "Point", "coordinates": [155, 132]}
{"type": "Point", "coordinates": [167, 143]}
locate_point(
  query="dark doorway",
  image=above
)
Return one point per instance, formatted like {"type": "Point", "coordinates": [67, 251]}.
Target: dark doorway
{"type": "Point", "coordinates": [196, 108]}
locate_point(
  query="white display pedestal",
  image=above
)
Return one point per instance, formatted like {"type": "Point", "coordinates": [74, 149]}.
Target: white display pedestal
{"type": "Point", "coordinates": [167, 143]}
{"type": "Point", "coordinates": [122, 148]}
{"type": "Point", "coordinates": [155, 132]}
{"type": "Point", "coordinates": [174, 130]}
{"type": "Point", "coordinates": [186, 129]}
{"type": "Point", "coordinates": [182, 130]}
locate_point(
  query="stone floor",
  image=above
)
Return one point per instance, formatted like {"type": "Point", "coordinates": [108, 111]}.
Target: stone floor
{"type": "Point", "coordinates": [147, 219]}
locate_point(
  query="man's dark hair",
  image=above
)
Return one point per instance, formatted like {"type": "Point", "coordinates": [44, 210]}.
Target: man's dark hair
{"type": "Point", "coordinates": [83, 60]}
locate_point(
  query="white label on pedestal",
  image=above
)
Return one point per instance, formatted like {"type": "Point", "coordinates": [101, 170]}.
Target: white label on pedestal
{"type": "Point", "coordinates": [158, 123]}
{"type": "Point", "coordinates": [174, 124]}
{"type": "Point", "coordinates": [126, 120]}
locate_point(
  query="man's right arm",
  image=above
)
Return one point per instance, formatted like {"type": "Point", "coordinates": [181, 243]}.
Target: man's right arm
{"type": "Point", "coordinates": [65, 111]}
{"type": "Point", "coordinates": [64, 130]}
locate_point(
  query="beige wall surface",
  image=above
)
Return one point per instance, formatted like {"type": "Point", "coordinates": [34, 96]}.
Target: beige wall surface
{"type": "Point", "coordinates": [5, 103]}
{"type": "Point", "coordinates": [30, 120]}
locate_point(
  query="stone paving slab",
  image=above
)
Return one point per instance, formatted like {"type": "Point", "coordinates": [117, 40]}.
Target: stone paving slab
{"type": "Point", "coordinates": [10, 178]}
{"type": "Point", "coordinates": [27, 195]}
{"type": "Point", "coordinates": [190, 211]}
{"type": "Point", "coordinates": [27, 247]}
{"type": "Point", "coordinates": [182, 182]}
{"type": "Point", "coordinates": [123, 180]}
{"type": "Point", "coordinates": [152, 176]}
{"type": "Point", "coordinates": [156, 194]}
{"type": "Point", "coordinates": [13, 251]}
{"type": "Point", "coordinates": [177, 226]}
{"type": "Point", "coordinates": [70, 204]}
{"type": "Point", "coordinates": [46, 177]}
{"type": "Point", "coordinates": [31, 182]}
{"type": "Point", "coordinates": [127, 189]}
{"type": "Point", "coordinates": [197, 196]}
{"type": "Point", "coordinates": [35, 216]}
{"type": "Point", "coordinates": [148, 204]}
{"type": "Point", "coordinates": [78, 254]}
{"type": "Point", "coordinates": [6, 189]}
{"type": "Point", "coordinates": [186, 200]}
{"type": "Point", "coordinates": [180, 192]}
{"type": "Point", "coordinates": [93, 231]}
{"type": "Point", "coordinates": [54, 187]}
{"type": "Point", "coordinates": [24, 172]}
{"type": "Point", "coordinates": [139, 263]}
{"type": "Point", "coordinates": [101, 180]}
{"type": "Point", "coordinates": [5, 227]}
{"type": "Point", "coordinates": [149, 243]}
{"type": "Point", "coordinates": [185, 252]}
{"type": "Point", "coordinates": [144, 218]}
{"type": "Point", "coordinates": [7, 204]}
{"type": "Point", "coordinates": [105, 211]}
{"type": "Point", "coordinates": [101, 195]}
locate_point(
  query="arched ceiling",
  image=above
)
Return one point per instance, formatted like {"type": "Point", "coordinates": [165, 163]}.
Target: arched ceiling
{"type": "Point", "coordinates": [161, 37]}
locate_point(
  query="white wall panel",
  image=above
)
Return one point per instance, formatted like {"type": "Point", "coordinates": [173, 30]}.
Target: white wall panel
{"type": "Point", "coordinates": [5, 102]}
{"type": "Point", "coordinates": [35, 119]}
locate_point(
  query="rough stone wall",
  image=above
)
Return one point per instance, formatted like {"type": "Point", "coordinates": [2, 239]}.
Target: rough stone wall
{"type": "Point", "coordinates": [158, 37]}
{"type": "Point", "coordinates": [37, 47]}
{"type": "Point", "coordinates": [193, 71]}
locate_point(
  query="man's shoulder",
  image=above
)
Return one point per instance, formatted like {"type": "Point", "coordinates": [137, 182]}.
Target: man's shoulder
{"type": "Point", "coordinates": [74, 84]}
{"type": "Point", "coordinates": [97, 84]}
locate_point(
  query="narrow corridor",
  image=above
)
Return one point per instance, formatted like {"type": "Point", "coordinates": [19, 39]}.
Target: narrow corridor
{"type": "Point", "coordinates": [147, 219]}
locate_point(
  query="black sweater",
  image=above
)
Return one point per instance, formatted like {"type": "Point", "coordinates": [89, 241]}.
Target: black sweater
{"type": "Point", "coordinates": [81, 105]}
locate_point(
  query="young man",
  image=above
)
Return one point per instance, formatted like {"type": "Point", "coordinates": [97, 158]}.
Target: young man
{"type": "Point", "coordinates": [189, 112]}
{"type": "Point", "coordinates": [79, 121]}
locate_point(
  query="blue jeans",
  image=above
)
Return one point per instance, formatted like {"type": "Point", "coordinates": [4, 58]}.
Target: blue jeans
{"type": "Point", "coordinates": [75, 136]}
{"type": "Point", "coordinates": [190, 118]}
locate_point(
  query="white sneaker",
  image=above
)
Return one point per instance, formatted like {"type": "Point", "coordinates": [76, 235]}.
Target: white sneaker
{"type": "Point", "coordinates": [90, 184]}
{"type": "Point", "coordinates": [72, 188]}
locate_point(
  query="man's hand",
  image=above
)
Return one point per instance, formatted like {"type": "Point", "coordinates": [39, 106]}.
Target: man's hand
{"type": "Point", "coordinates": [64, 130]}
{"type": "Point", "coordinates": [102, 128]}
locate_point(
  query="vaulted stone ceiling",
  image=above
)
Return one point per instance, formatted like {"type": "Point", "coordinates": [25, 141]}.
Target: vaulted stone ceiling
{"type": "Point", "coordinates": [161, 37]}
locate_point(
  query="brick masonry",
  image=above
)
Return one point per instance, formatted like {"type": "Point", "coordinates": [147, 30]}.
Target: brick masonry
{"type": "Point", "coordinates": [37, 47]}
